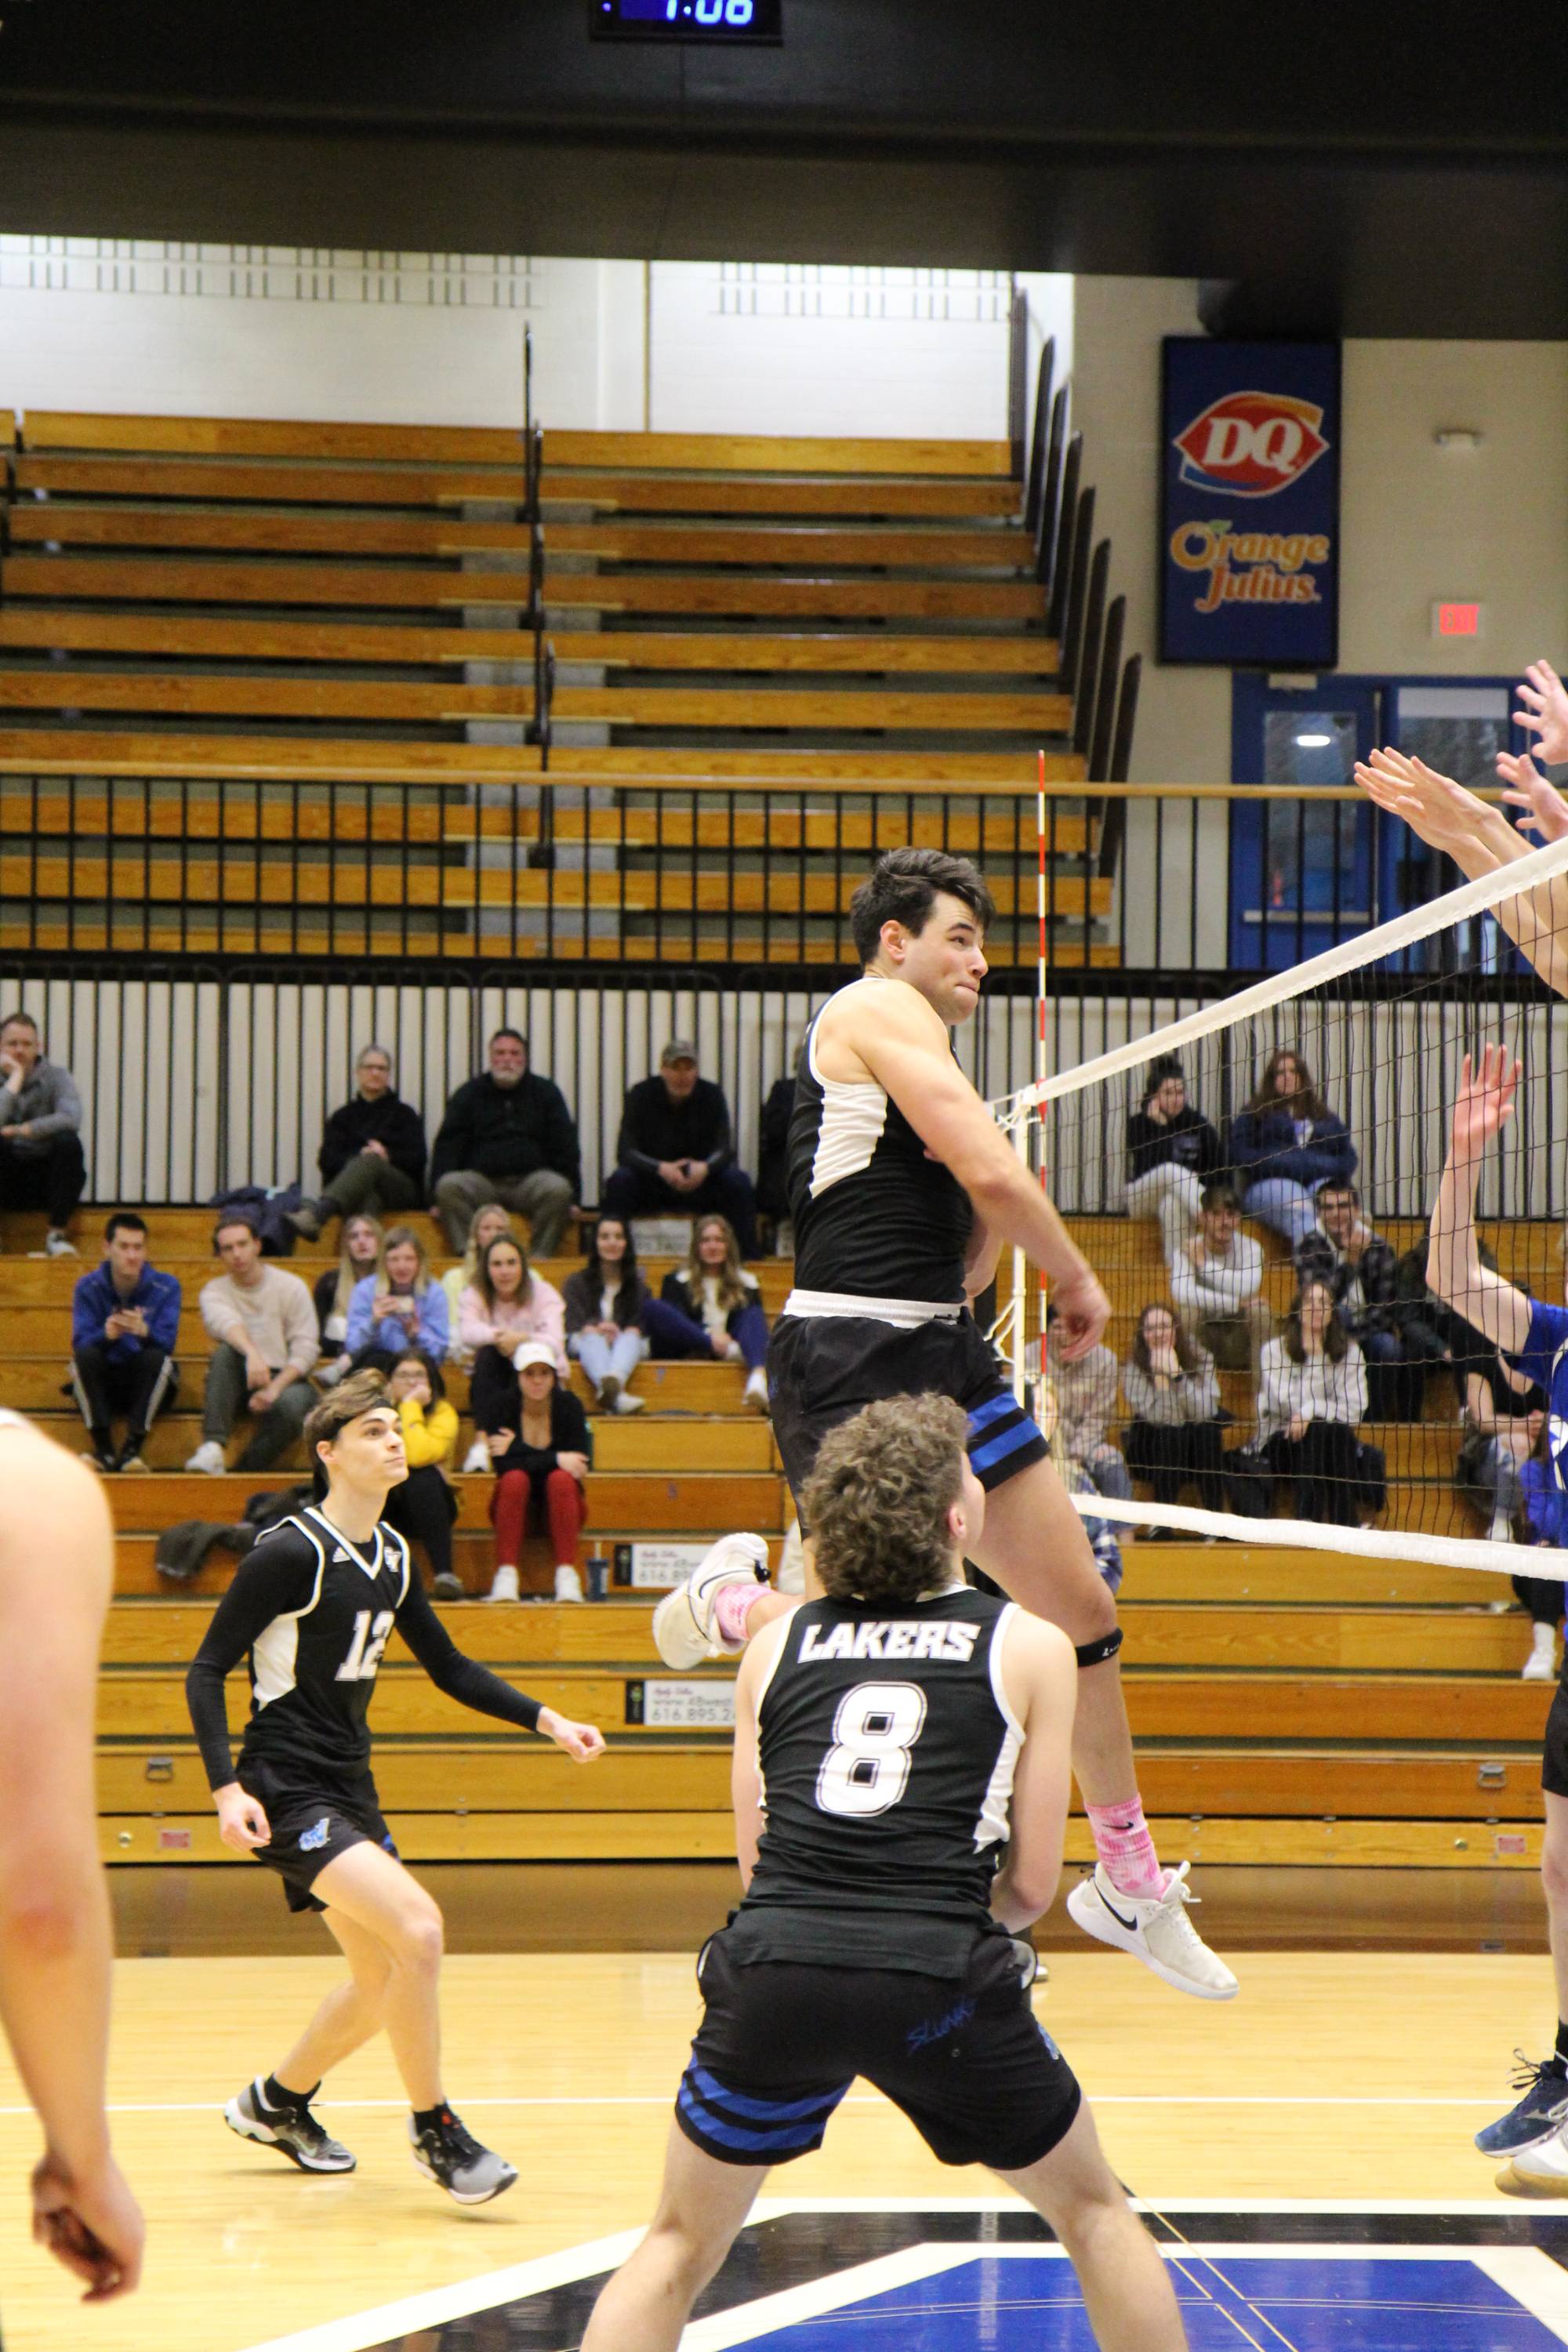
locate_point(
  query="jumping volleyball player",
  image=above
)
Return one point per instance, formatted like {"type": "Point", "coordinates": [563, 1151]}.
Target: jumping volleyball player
{"type": "Point", "coordinates": [314, 1605]}
{"type": "Point", "coordinates": [889, 1739]}
{"type": "Point", "coordinates": [1534, 2134]}
{"type": "Point", "coordinates": [903, 1189]}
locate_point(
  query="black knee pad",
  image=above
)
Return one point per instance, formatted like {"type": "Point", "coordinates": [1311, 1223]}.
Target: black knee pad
{"type": "Point", "coordinates": [1095, 1653]}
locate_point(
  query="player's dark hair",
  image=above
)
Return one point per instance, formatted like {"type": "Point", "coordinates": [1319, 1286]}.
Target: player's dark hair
{"type": "Point", "coordinates": [359, 1393]}
{"type": "Point", "coordinates": [124, 1221]}
{"type": "Point", "coordinates": [878, 1500]}
{"type": "Point", "coordinates": [902, 887]}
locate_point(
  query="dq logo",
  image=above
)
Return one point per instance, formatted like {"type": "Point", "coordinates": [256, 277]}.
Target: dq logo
{"type": "Point", "coordinates": [1251, 444]}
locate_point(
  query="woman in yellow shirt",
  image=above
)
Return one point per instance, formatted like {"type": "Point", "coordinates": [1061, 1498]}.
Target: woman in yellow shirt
{"type": "Point", "coordinates": [424, 1507]}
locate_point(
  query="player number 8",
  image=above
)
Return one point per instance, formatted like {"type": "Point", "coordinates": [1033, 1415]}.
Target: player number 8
{"type": "Point", "coordinates": [866, 1769]}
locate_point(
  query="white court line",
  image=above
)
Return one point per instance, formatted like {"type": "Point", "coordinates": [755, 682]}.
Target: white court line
{"type": "Point", "coordinates": [364, 2330]}
{"type": "Point", "coordinates": [856, 2099]}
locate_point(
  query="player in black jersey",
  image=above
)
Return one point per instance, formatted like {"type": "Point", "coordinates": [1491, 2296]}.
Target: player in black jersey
{"type": "Point", "coordinates": [891, 1740]}
{"type": "Point", "coordinates": [313, 1606]}
{"type": "Point", "coordinates": [902, 1189]}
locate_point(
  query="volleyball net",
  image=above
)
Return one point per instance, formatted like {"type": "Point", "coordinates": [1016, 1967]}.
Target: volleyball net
{"type": "Point", "coordinates": [1288, 1362]}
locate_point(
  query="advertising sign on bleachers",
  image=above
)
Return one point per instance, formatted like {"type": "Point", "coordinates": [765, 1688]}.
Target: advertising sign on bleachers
{"type": "Point", "coordinates": [1249, 503]}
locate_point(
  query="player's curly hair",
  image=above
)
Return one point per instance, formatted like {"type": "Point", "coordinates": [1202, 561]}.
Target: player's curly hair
{"type": "Point", "coordinates": [878, 1500]}
{"type": "Point", "coordinates": [360, 1393]}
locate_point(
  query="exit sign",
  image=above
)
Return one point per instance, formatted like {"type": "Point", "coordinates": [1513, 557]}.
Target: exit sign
{"type": "Point", "coordinates": [1457, 620]}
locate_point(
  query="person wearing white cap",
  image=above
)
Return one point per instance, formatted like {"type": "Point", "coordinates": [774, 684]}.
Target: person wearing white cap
{"type": "Point", "coordinates": [675, 1155]}
{"type": "Point", "coordinates": [541, 1465]}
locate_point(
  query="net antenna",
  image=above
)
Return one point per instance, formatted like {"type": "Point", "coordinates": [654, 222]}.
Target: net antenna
{"type": "Point", "coordinates": [1388, 1014]}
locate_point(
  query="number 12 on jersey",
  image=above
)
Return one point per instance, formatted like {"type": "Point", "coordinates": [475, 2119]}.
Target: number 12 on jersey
{"type": "Point", "coordinates": [866, 1769]}
{"type": "Point", "coordinates": [365, 1651]}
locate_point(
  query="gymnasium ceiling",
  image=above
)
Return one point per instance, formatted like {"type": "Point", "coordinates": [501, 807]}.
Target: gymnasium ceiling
{"type": "Point", "coordinates": [1386, 170]}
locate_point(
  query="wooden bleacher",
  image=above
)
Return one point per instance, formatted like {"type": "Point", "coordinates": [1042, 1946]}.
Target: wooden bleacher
{"type": "Point", "coordinates": [1291, 1709]}
{"type": "Point", "coordinates": [204, 601]}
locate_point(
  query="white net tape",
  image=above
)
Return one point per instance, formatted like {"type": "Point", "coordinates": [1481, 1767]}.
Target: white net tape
{"type": "Point", "coordinates": [1383, 1020]}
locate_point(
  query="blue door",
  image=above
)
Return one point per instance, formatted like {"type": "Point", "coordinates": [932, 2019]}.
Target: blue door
{"type": "Point", "coordinates": [1303, 867]}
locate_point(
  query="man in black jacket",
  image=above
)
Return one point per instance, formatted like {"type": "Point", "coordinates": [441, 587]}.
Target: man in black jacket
{"type": "Point", "coordinates": [373, 1152]}
{"type": "Point", "coordinates": [675, 1155]}
{"type": "Point", "coordinates": [508, 1135]}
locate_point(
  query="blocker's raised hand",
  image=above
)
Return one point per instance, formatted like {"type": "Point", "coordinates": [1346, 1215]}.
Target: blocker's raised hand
{"type": "Point", "coordinates": [1545, 711]}
{"type": "Point", "coordinates": [1545, 810]}
{"type": "Point", "coordinates": [1440, 812]}
{"type": "Point", "coordinates": [1484, 1103]}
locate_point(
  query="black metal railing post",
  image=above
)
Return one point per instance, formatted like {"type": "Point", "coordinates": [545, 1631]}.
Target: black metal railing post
{"type": "Point", "coordinates": [1051, 490]}
{"type": "Point", "coordinates": [1075, 582]}
{"type": "Point", "coordinates": [1085, 679]}
{"type": "Point", "coordinates": [1057, 567]}
{"type": "Point", "coordinates": [1018, 381]}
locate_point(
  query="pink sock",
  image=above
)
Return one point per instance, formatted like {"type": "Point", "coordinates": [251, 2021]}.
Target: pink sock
{"type": "Point", "coordinates": [732, 1607]}
{"type": "Point", "coordinates": [1122, 1841]}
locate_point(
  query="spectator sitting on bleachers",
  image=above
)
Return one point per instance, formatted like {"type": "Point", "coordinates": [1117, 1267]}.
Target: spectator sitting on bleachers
{"type": "Point", "coordinates": [333, 1289]}
{"type": "Point", "coordinates": [489, 1224]}
{"type": "Point", "coordinates": [1504, 1413]}
{"type": "Point", "coordinates": [1172, 1152]}
{"type": "Point", "coordinates": [1103, 1534]}
{"type": "Point", "coordinates": [425, 1506]}
{"type": "Point", "coordinates": [1358, 1268]}
{"type": "Point", "coordinates": [713, 1307]}
{"type": "Point", "coordinates": [1542, 1519]}
{"type": "Point", "coordinates": [506, 1305]}
{"type": "Point", "coordinates": [1286, 1145]}
{"type": "Point", "coordinates": [1085, 1402]}
{"type": "Point", "coordinates": [41, 1161]}
{"type": "Point", "coordinates": [1216, 1281]}
{"type": "Point", "coordinates": [1172, 1393]}
{"type": "Point", "coordinates": [541, 1455]}
{"type": "Point", "coordinates": [372, 1154]}
{"type": "Point", "coordinates": [605, 1302]}
{"type": "Point", "coordinates": [125, 1318]}
{"type": "Point", "coordinates": [1312, 1396]}
{"type": "Point", "coordinates": [773, 1152]}
{"type": "Point", "coordinates": [264, 1324]}
{"type": "Point", "coordinates": [400, 1305]}
{"type": "Point", "coordinates": [675, 1154]}
{"type": "Point", "coordinates": [507, 1135]}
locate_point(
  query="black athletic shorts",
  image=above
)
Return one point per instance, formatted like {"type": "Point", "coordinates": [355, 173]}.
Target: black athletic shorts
{"type": "Point", "coordinates": [1554, 1750]}
{"type": "Point", "coordinates": [824, 1368]}
{"type": "Point", "coordinates": [312, 1821]}
{"type": "Point", "coordinates": [963, 2057]}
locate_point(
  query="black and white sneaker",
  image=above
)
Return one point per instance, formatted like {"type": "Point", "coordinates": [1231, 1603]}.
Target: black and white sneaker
{"type": "Point", "coordinates": [292, 2131]}
{"type": "Point", "coordinates": [452, 2158]}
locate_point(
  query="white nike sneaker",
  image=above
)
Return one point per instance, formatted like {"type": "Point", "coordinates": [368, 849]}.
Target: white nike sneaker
{"type": "Point", "coordinates": [684, 1628]}
{"type": "Point", "coordinates": [1538, 2171]}
{"type": "Point", "coordinates": [1155, 1930]}
{"type": "Point", "coordinates": [209, 1458]}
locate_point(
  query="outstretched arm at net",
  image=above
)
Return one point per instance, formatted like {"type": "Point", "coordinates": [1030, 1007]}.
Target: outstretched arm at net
{"type": "Point", "coordinates": [1480, 840]}
{"type": "Point", "coordinates": [904, 1047]}
{"type": "Point", "coordinates": [1483, 1108]}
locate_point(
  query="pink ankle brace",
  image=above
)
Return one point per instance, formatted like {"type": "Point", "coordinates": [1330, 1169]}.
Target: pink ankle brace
{"type": "Point", "coordinates": [732, 1606]}
{"type": "Point", "coordinates": [1122, 1841]}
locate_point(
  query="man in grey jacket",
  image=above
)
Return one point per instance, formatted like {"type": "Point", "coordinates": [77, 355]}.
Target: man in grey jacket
{"type": "Point", "coordinates": [41, 1162]}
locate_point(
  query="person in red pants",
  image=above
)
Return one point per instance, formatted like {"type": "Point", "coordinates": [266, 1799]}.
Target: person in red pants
{"type": "Point", "coordinates": [542, 1469]}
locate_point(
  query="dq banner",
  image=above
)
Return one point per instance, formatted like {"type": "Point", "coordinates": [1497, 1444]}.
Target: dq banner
{"type": "Point", "coordinates": [1250, 504]}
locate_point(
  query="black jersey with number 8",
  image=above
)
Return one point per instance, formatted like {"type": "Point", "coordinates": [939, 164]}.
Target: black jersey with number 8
{"type": "Point", "coordinates": [886, 1749]}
